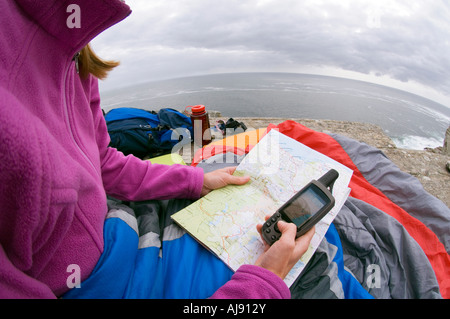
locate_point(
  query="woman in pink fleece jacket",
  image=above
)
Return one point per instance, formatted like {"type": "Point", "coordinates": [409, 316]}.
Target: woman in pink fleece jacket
{"type": "Point", "coordinates": [56, 167]}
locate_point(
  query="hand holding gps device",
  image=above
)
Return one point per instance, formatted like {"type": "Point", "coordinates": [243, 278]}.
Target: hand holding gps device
{"type": "Point", "coordinates": [304, 209]}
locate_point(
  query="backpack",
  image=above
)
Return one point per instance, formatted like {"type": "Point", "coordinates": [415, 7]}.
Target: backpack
{"type": "Point", "coordinates": [147, 133]}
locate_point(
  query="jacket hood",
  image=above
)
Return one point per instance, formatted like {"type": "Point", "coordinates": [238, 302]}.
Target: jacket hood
{"type": "Point", "coordinates": [95, 16]}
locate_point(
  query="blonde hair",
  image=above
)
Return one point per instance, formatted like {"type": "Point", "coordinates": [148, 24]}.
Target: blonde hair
{"type": "Point", "coordinates": [90, 63]}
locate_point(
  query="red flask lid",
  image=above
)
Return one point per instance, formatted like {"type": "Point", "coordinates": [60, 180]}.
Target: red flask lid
{"type": "Point", "coordinates": [198, 109]}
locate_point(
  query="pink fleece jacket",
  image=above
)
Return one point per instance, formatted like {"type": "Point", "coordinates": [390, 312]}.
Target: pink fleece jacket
{"type": "Point", "coordinates": [55, 164]}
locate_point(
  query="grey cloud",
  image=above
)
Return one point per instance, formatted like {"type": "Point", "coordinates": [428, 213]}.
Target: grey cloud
{"type": "Point", "coordinates": [405, 40]}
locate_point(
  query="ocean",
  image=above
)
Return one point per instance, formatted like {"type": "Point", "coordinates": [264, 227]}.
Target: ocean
{"type": "Point", "coordinates": [412, 122]}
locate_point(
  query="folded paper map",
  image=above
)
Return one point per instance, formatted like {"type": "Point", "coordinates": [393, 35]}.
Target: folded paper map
{"type": "Point", "coordinates": [224, 221]}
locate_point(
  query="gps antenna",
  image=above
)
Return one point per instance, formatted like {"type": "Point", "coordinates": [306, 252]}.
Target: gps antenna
{"type": "Point", "coordinates": [329, 178]}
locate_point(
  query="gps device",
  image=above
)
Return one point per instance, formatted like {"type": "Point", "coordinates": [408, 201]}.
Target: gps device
{"type": "Point", "coordinates": [304, 209]}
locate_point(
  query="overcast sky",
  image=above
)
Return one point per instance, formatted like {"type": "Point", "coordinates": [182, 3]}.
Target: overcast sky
{"type": "Point", "coordinates": [403, 44]}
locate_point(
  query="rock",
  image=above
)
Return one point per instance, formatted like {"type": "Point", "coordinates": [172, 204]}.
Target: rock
{"type": "Point", "coordinates": [214, 113]}
{"type": "Point", "coordinates": [448, 166]}
{"type": "Point", "coordinates": [446, 148]}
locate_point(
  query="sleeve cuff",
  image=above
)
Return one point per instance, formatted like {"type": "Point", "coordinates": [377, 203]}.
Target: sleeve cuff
{"type": "Point", "coordinates": [253, 282]}
{"type": "Point", "coordinates": [197, 183]}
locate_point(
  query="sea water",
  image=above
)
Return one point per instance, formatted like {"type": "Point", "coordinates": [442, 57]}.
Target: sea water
{"type": "Point", "coordinates": [411, 121]}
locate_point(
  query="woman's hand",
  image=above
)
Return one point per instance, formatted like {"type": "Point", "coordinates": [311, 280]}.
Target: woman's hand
{"type": "Point", "coordinates": [285, 252]}
{"type": "Point", "coordinates": [221, 178]}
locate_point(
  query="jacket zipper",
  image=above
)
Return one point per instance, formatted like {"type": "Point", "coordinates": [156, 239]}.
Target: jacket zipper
{"type": "Point", "coordinates": [67, 116]}
{"type": "Point", "coordinates": [76, 58]}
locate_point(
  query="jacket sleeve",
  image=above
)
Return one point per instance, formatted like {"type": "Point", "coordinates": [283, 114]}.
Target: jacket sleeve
{"type": "Point", "coordinates": [130, 178]}
{"type": "Point", "coordinates": [253, 282]}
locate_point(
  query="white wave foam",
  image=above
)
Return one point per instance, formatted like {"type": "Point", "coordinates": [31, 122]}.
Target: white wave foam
{"type": "Point", "coordinates": [413, 142]}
